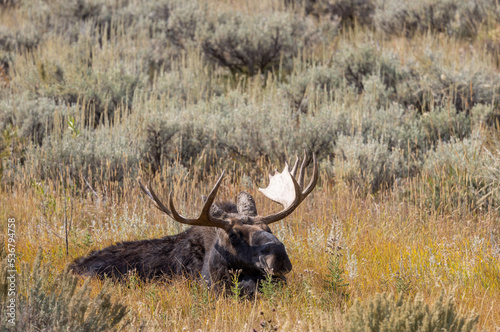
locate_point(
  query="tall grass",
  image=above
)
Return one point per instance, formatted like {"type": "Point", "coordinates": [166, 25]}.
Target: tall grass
{"type": "Point", "coordinates": [385, 245]}
{"type": "Point", "coordinates": [95, 94]}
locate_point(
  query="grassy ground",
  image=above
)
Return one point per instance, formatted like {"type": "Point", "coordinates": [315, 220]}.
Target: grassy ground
{"type": "Point", "coordinates": [384, 245]}
{"type": "Point", "coordinates": [402, 113]}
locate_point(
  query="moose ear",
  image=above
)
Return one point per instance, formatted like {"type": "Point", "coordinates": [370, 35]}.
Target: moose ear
{"type": "Point", "coordinates": [204, 198]}
{"type": "Point", "coordinates": [246, 204]}
{"type": "Point", "coordinates": [217, 212]}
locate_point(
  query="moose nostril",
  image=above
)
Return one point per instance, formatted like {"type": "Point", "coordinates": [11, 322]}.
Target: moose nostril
{"type": "Point", "coordinates": [263, 261]}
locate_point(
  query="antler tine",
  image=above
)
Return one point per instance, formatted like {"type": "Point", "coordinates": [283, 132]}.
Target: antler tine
{"type": "Point", "coordinates": [211, 196]}
{"type": "Point", "coordinates": [294, 169]}
{"type": "Point", "coordinates": [145, 190]}
{"type": "Point", "coordinates": [314, 178]}
{"type": "Point", "coordinates": [152, 196]}
{"type": "Point", "coordinates": [205, 219]}
{"type": "Point", "coordinates": [300, 180]}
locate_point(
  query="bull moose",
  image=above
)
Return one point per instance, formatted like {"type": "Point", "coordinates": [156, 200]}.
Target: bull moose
{"type": "Point", "coordinates": [224, 238]}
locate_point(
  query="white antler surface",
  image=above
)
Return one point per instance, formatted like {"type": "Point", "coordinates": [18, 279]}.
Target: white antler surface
{"type": "Point", "coordinates": [281, 189]}
{"type": "Point", "coordinates": [284, 188]}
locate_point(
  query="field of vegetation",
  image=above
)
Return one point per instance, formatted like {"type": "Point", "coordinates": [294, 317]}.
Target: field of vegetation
{"type": "Point", "coordinates": [400, 101]}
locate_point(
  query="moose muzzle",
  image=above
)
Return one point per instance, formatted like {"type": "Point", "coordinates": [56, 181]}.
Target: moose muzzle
{"type": "Point", "coordinates": [271, 254]}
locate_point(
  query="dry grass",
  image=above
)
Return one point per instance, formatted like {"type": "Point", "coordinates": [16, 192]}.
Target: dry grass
{"type": "Point", "coordinates": [387, 246]}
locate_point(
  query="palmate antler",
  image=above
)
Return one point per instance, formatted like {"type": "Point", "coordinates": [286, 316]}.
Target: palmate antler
{"type": "Point", "coordinates": [205, 218]}
{"type": "Point", "coordinates": [288, 191]}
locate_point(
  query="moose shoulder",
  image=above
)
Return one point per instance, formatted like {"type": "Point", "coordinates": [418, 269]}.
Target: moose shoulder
{"type": "Point", "coordinates": [224, 237]}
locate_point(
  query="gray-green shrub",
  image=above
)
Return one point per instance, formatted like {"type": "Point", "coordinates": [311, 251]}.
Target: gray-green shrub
{"type": "Point", "coordinates": [453, 17]}
{"type": "Point", "coordinates": [108, 153]}
{"type": "Point", "coordinates": [384, 312]}
{"type": "Point", "coordinates": [34, 118]}
{"type": "Point", "coordinates": [47, 302]}
{"type": "Point", "coordinates": [252, 44]}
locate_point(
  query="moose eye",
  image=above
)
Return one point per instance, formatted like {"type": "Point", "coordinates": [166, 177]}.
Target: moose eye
{"type": "Point", "coordinates": [236, 236]}
{"type": "Point", "coordinates": [265, 251]}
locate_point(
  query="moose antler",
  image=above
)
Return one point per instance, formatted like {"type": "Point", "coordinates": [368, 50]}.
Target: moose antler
{"type": "Point", "coordinates": [286, 190]}
{"type": "Point", "coordinates": [205, 219]}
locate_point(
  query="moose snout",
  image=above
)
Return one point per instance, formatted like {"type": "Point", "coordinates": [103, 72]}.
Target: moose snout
{"type": "Point", "coordinates": [273, 259]}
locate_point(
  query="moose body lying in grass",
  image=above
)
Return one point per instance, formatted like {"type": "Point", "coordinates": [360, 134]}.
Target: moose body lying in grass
{"type": "Point", "coordinates": [224, 238]}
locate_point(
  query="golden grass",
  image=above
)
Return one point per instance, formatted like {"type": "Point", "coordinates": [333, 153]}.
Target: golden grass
{"type": "Point", "coordinates": [387, 246]}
